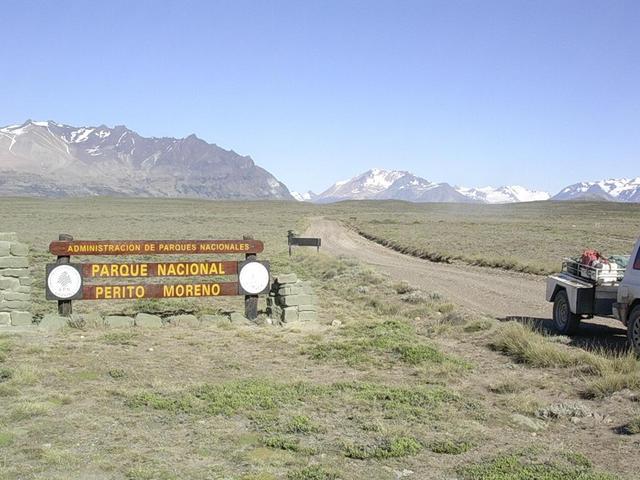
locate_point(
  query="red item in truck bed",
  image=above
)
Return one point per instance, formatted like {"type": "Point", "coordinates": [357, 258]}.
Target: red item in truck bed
{"type": "Point", "coordinates": [589, 257]}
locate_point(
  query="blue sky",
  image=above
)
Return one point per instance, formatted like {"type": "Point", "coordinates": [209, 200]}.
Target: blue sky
{"type": "Point", "coordinates": [541, 93]}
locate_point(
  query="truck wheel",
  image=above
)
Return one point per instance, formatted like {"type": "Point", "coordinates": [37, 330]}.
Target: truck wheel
{"type": "Point", "coordinates": [564, 320]}
{"type": "Point", "coordinates": [633, 329]}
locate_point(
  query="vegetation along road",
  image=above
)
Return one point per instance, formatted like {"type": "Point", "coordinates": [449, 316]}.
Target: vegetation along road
{"type": "Point", "coordinates": [492, 291]}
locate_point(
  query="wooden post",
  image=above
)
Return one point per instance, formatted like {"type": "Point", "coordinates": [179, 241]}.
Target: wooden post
{"type": "Point", "coordinates": [64, 306]}
{"type": "Point", "coordinates": [289, 235]}
{"type": "Point", "coordinates": [250, 301]}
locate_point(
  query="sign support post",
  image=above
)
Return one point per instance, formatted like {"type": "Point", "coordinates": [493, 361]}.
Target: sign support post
{"type": "Point", "coordinates": [64, 306]}
{"type": "Point", "coordinates": [250, 301]}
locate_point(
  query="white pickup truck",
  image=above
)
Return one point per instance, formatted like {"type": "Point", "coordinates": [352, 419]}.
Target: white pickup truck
{"type": "Point", "coordinates": [580, 291]}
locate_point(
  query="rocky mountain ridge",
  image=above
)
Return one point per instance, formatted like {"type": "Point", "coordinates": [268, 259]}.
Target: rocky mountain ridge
{"type": "Point", "coordinates": [52, 159]}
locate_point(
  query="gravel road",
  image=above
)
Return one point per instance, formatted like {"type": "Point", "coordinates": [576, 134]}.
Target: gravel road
{"type": "Point", "coordinates": [487, 290]}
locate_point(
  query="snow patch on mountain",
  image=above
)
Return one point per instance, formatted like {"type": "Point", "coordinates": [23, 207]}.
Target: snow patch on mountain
{"type": "Point", "coordinates": [308, 196]}
{"type": "Point", "coordinates": [504, 194]}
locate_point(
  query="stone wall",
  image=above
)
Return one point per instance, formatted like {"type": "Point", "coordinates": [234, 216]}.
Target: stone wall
{"type": "Point", "coordinates": [15, 281]}
{"type": "Point", "coordinates": [291, 299]}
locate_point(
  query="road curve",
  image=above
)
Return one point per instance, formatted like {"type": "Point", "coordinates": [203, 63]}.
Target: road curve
{"type": "Point", "coordinates": [486, 290]}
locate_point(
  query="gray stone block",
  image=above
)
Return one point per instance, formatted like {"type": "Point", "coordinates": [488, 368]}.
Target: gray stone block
{"type": "Point", "coordinates": [286, 278]}
{"type": "Point", "coordinates": [295, 300]}
{"type": "Point", "coordinates": [307, 300]}
{"type": "Point", "coordinates": [14, 272]}
{"type": "Point", "coordinates": [14, 262]}
{"type": "Point", "coordinates": [24, 297]}
{"type": "Point", "coordinates": [118, 321]}
{"type": "Point", "coordinates": [5, 318]}
{"type": "Point", "coordinates": [9, 283]}
{"type": "Point", "coordinates": [86, 320]}
{"type": "Point", "coordinates": [26, 281]}
{"type": "Point", "coordinates": [22, 289]}
{"type": "Point", "coordinates": [289, 314]}
{"type": "Point", "coordinates": [147, 320]}
{"type": "Point", "coordinates": [289, 290]}
{"type": "Point", "coordinates": [21, 318]}
{"type": "Point", "coordinates": [19, 249]}
{"type": "Point", "coordinates": [53, 321]}
{"type": "Point", "coordinates": [183, 320]}
{"type": "Point", "coordinates": [289, 300]}
{"type": "Point", "coordinates": [8, 306]}
{"type": "Point", "coordinates": [307, 308]}
{"type": "Point", "coordinates": [308, 316]}
{"type": "Point", "coordinates": [5, 248]}
{"type": "Point", "coordinates": [8, 236]}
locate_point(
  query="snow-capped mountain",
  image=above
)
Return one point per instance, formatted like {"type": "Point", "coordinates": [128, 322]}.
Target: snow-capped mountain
{"type": "Point", "coordinates": [379, 184]}
{"type": "Point", "coordinates": [308, 196]}
{"type": "Point", "coordinates": [52, 159]}
{"type": "Point", "coordinates": [620, 190]}
{"type": "Point", "coordinates": [400, 185]}
{"type": "Point", "coordinates": [364, 186]}
{"type": "Point", "coordinates": [507, 194]}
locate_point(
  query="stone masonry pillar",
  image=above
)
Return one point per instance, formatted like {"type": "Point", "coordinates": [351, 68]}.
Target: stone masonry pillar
{"type": "Point", "coordinates": [15, 281]}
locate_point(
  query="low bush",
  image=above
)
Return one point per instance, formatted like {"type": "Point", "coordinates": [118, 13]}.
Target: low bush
{"type": "Point", "coordinates": [384, 448]}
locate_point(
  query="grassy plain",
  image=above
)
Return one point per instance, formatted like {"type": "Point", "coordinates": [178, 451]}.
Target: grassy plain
{"type": "Point", "coordinates": [407, 386]}
{"type": "Point", "coordinates": [530, 237]}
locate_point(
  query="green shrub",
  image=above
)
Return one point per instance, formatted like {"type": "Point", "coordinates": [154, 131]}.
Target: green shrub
{"type": "Point", "coordinates": [451, 447]}
{"type": "Point", "coordinates": [518, 467]}
{"type": "Point", "coordinates": [384, 448]}
{"type": "Point", "coordinates": [313, 472]}
{"type": "Point", "coordinates": [281, 443]}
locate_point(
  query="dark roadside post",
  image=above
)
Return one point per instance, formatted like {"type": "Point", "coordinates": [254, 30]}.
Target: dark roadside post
{"type": "Point", "coordinates": [294, 240]}
{"type": "Point", "coordinates": [250, 301]}
{"type": "Point", "coordinates": [64, 306]}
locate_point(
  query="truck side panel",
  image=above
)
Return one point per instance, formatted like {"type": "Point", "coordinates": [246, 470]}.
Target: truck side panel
{"type": "Point", "coordinates": [580, 294]}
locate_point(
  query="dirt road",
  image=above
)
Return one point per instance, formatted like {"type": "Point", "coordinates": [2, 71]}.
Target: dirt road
{"type": "Point", "coordinates": [487, 290]}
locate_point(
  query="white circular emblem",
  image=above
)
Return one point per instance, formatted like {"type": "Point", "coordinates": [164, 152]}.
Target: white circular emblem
{"type": "Point", "coordinates": [254, 277]}
{"type": "Point", "coordinates": [64, 281]}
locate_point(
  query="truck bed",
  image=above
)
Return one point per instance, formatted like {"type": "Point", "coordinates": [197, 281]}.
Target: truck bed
{"type": "Point", "coordinates": [585, 296]}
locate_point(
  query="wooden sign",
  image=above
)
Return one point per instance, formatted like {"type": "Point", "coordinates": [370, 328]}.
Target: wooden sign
{"type": "Point", "coordinates": [306, 242]}
{"type": "Point", "coordinates": [65, 281]}
{"type": "Point", "coordinates": [169, 269]}
{"type": "Point", "coordinates": [294, 240]}
{"type": "Point", "coordinates": [155, 247]}
{"type": "Point", "coordinates": [179, 290]}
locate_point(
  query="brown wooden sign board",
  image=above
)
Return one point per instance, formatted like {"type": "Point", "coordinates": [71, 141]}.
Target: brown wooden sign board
{"type": "Point", "coordinates": [139, 291]}
{"type": "Point", "coordinates": [165, 269]}
{"type": "Point", "coordinates": [65, 281]}
{"type": "Point", "coordinates": [155, 247]}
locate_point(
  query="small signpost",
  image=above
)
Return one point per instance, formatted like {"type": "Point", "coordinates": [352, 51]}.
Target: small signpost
{"type": "Point", "coordinates": [66, 281]}
{"type": "Point", "coordinates": [294, 240]}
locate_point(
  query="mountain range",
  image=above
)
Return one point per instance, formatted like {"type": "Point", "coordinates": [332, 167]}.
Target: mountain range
{"type": "Point", "coordinates": [54, 160]}
{"type": "Point", "coordinates": [621, 190]}
{"type": "Point", "coordinates": [378, 184]}
{"type": "Point", "coordinates": [51, 159]}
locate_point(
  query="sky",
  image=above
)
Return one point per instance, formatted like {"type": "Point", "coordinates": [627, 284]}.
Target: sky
{"type": "Point", "coordinates": [538, 93]}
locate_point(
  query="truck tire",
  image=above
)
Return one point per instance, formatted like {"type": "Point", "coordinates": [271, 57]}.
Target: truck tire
{"type": "Point", "coordinates": [633, 329]}
{"type": "Point", "coordinates": [565, 321]}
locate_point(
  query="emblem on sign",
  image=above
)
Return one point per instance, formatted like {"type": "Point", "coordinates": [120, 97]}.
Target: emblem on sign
{"type": "Point", "coordinates": [64, 282]}
{"type": "Point", "coordinates": [254, 277]}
